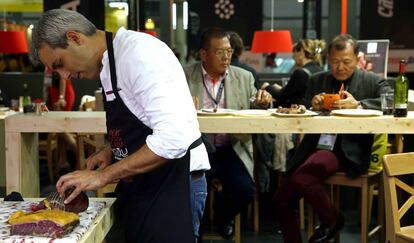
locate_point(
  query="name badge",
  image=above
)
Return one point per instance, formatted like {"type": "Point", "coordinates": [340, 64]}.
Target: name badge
{"type": "Point", "coordinates": [327, 141]}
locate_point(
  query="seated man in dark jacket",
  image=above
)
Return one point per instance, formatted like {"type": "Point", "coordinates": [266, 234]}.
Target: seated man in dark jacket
{"type": "Point", "coordinates": [313, 163]}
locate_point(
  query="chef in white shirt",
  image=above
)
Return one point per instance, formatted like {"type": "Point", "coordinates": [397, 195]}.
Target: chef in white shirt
{"type": "Point", "coordinates": [152, 125]}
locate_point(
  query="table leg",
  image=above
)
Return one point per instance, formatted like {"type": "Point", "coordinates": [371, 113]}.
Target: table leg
{"type": "Point", "coordinates": [22, 164]}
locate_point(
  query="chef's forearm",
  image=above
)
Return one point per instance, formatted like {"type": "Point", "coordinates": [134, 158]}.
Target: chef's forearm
{"type": "Point", "coordinates": [142, 161]}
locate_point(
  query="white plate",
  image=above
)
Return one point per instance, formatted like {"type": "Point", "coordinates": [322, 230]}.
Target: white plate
{"type": "Point", "coordinates": [253, 112]}
{"type": "Point", "coordinates": [219, 112]}
{"type": "Point", "coordinates": [356, 112]}
{"type": "Point", "coordinates": [307, 113]}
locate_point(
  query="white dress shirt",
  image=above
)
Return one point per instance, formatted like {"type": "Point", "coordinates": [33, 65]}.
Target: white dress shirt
{"type": "Point", "coordinates": [211, 89]}
{"type": "Point", "coordinates": [153, 86]}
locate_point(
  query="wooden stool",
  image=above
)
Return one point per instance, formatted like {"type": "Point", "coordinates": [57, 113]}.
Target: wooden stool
{"type": "Point", "coordinates": [395, 166]}
{"type": "Point", "coordinates": [216, 187]}
{"type": "Point", "coordinates": [47, 150]}
{"type": "Point", "coordinates": [366, 182]}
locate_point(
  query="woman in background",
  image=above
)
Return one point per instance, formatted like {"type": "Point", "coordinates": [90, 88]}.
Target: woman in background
{"type": "Point", "coordinates": [61, 94]}
{"type": "Point", "coordinates": [308, 58]}
{"type": "Point", "coordinates": [61, 97]}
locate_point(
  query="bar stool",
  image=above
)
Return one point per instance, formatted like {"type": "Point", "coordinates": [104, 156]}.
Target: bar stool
{"type": "Point", "coordinates": [48, 151]}
{"type": "Point", "coordinates": [366, 182]}
{"type": "Point", "coordinates": [215, 186]}
{"type": "Point", "coordinates": [370, 185]}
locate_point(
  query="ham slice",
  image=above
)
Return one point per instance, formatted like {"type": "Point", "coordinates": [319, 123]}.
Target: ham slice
{"type": "Point", "coordinates": [47, 223]}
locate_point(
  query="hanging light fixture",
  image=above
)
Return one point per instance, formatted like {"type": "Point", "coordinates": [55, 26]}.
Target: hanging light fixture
{"type": "Point", "coordinates": [272, 41]}
{"type": "Point", "coordinates": [150, 32]}
{"type": "Point", "coordinates": [13, 42]}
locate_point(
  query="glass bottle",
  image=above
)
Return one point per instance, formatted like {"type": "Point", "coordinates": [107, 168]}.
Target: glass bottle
{"type": "Point", "coordinates": [26, 96]}
{"type": "Point", "coordinates": [401, 92]}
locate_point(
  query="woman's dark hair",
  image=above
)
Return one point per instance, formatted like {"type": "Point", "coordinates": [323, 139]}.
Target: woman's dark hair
{"type": "Point", "coordinates": [55, 79]}
{"type": "Point", "coordinates": [236, 43]}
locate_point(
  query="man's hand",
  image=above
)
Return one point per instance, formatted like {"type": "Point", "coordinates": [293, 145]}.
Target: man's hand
{"type": "Point", "coordinates": [348, 102]}
{"type": "Point", "coordinates": [264, 85]}
{"type": "Point", "coordinates": [100, 159]}
{"type": "Point", "coordinates": [81, 180]}
{"type": "Point", "coordinates": [263, 98]}
{"type": "Point", "coordinates": [317, 102]}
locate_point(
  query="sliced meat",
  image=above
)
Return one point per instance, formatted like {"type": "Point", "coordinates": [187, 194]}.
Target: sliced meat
{"type": "Point", "coordinates": [47, 223]}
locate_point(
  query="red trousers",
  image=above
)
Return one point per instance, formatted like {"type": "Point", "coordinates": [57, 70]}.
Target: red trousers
{"type": "Point", "coordinates": [305, 181]}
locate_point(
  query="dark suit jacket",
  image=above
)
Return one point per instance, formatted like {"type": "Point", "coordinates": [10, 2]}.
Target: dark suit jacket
{"type": "Point", "coordinates": [295, 90]}
{"type": "Point", "coordinates": [366, 87]}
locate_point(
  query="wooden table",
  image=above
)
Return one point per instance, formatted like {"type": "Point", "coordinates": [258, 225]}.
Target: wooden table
{"type": "Point", "coordinates": [103, 223]}
{"type": "Point", "coordinates": [22, 150]}
{"type": "Point", "coordinates": [97, 229]}
{"type": "Point", "coordinates": [21, 142]}
{"type": "Point", "coordinates": [3, 116]}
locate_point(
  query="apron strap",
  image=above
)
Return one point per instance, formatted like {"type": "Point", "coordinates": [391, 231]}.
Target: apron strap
{"type": "Point", "coordinates": [112, 68]}
{"type": "Point", "coordinates": [196, 143]}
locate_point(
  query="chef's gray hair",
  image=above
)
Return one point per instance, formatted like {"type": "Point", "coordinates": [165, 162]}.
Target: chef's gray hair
{"type": "Point", "coordinates": [52, 27]}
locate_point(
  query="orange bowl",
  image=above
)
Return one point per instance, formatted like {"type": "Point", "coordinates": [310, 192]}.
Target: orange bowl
{"type": "Point", "coordinates": [328, 99]}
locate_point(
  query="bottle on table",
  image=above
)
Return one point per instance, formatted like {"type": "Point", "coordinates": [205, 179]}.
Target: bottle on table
{"type": "Point", "coordinates": [26, 96]}
{"type": "Point", "coordinates": [401, 92]}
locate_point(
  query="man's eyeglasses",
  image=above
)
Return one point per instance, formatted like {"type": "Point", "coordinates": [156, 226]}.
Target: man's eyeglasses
{"type": "Point", "coordinates": [221, 52]}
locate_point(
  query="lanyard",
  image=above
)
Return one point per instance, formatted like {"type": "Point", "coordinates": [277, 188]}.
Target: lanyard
{"type": "Point", "coordinates": [219, 92]}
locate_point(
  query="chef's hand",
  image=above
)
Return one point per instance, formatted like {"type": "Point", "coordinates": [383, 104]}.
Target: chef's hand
{"type": "Point", "coordinates": [101, 159]}
{"type": "Point", "coordinates": [347, 102]}
{"type": "Point", "coordinates": [317, 102]}
{"type": "Point", "coordinates": [263, 98]}
{"type": "Point", "coordinates": [80, 180]}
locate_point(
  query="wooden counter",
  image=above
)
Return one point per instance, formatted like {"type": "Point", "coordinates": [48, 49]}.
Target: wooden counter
{"type": "Point", "coordinates": [22, 150]}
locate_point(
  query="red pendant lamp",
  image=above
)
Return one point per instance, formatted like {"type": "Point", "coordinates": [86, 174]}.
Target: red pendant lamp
{"type": "Point", "coordinates": [272, 41]}
{"type": "Point", "coordinates": [150, 32]}
{"type": "Point", "coordinates": [13, 42]}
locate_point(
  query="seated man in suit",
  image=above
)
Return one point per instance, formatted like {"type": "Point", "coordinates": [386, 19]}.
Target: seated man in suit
{"type": "Point", "coordinates": [217, 84]}
{"type": "Point", "coordinates": [313, 163]}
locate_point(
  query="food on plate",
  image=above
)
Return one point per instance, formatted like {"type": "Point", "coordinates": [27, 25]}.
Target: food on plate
{"type": "Point", "coordinates": [293, 109]}
{"type": "Point", "coordinates": [46, 222]}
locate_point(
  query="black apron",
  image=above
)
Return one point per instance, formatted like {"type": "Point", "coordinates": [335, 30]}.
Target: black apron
{"type": "Point", "coordinates": [155, 206]}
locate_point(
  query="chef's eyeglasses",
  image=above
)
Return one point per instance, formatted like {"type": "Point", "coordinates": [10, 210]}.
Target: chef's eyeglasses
{"type": "Point", "coordinates": [221, 52]}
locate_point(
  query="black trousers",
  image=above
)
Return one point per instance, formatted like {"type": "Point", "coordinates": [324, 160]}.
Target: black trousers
{"type": "Point", "coordinates": [238, 187]}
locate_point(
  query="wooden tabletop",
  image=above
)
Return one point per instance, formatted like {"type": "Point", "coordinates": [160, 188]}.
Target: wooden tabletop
{"type": "Point", "coordinates": [95, 122]}
{"type": "Point", "coordinates": [316, 124]}
{"type": "Point", "coordinates": [21, 141]}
